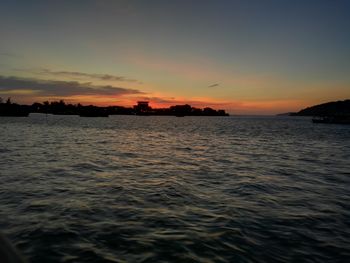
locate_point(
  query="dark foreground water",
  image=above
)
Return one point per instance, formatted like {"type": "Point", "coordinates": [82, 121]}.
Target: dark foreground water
{"type": "Point", "coordinates": [166, 189]}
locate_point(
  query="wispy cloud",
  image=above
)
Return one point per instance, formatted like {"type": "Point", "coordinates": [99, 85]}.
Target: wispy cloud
{"type": "Point", "coordinates": [54, 88]}
{"type": "Point", "coordinates": [9, 55]}
{"type": "Point", "coordinates": [29, 90]}
{"type": "Point", "coordinates": [213, 85]}
{"type": "Point", "coordinates": [79, 75]}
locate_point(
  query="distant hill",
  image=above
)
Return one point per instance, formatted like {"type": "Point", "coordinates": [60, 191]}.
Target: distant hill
{"type": "Point", "coordinates": [335, 108]}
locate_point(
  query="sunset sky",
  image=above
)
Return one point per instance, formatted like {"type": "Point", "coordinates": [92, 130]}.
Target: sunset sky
{"type": "Point", "coordinates": [247, 57]}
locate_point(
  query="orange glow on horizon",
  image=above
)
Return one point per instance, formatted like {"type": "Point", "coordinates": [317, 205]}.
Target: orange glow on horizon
{"type": "Point", "coordinates": [233, 107]}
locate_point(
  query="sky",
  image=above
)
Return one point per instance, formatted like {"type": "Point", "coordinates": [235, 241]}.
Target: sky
{"type": "Point", "coordinates": [244, 56]}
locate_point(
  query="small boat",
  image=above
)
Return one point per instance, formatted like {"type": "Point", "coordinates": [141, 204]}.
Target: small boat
{"type": "Point", "coordinates": [332, 119]}
{"type": "Point", "coordinates": [319, 119]}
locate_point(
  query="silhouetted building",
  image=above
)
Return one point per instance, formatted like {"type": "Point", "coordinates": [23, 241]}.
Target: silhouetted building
{"type": "Point", "coordinates": [142, 108]}
{"type": "Point", "coordinates": [181, 110]}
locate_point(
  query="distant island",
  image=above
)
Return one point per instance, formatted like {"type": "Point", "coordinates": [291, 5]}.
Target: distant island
{"type": "Point", "coordinates": [337, 112]}
{"type": "Point", "coordinates": [334, 108]}
{"type": "Point", "coordinates": [8, 108]}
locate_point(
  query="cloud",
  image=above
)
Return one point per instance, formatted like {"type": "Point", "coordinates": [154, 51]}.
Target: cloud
{"type": "Point", "coordinates": [213, 85]}
{"type": "Point", "coordinates": [29, 90]}
{"type": "Point", "coordinates": [14, 85]}
{"type": "Point", "coordinates": [81, 75]}
{"type": "Point", "coordinates": [9, 55]}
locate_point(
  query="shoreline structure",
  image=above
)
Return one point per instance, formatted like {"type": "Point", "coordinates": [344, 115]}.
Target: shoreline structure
{"type": "Point", "coordinates": [142, 108]}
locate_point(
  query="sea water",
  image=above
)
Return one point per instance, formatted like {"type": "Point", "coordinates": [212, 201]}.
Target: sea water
{"type": "Point", "coordinates": [167, 189]}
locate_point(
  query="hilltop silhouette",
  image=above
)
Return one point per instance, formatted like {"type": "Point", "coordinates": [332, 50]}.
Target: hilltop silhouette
{"type": "Point", "coordinates": [334, 108]}
{"type": "Point", "coordinates": [335, 112]}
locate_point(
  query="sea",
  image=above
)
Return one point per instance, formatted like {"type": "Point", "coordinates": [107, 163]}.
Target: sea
{"type": "Point", "coordinates": [169, 189]}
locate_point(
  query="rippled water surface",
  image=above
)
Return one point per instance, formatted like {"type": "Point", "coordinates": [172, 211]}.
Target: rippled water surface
{"type": "Point", "coordinates": [166, 189]}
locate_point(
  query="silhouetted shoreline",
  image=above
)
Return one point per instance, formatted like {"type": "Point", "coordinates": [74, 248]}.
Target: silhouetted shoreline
{"type": "Point", "coordinates": [334, 108]}
{"type": "Point", "coordinates": [11, 109]}
{"type": "Point", "coordinates": [335, 112]}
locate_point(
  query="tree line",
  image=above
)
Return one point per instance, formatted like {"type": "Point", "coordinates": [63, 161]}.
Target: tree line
{"type": "Point", "coordinates": [60, 107]}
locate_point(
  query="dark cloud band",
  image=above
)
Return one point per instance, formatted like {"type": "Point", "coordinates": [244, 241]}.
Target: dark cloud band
{"type": "Point", "coordinates": [76, 74]}
{"type": "Point", "coordinates": [61, 88]}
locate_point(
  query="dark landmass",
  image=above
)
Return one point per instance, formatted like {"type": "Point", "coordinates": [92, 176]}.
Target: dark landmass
{"type": "Point", "coordinates": [336, 112]}
{"type": "Point", "coordinates": [335, 108]}
{"type": "Point", "coordinates": [325, 109]}
{"type": "Point", "coordinates": [13, 109]}
{"type": "Point", "coordinates": [142, 108]}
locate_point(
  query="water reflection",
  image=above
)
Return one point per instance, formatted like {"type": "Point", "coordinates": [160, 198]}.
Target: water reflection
{"type": "Point", "coordinates": [193, 189]}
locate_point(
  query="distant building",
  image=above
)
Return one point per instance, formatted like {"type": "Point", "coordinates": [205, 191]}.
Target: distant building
{"type": "Point", "coordinates": [143, 104]}
{"type": "Point", "coordinates": [142, 107]}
